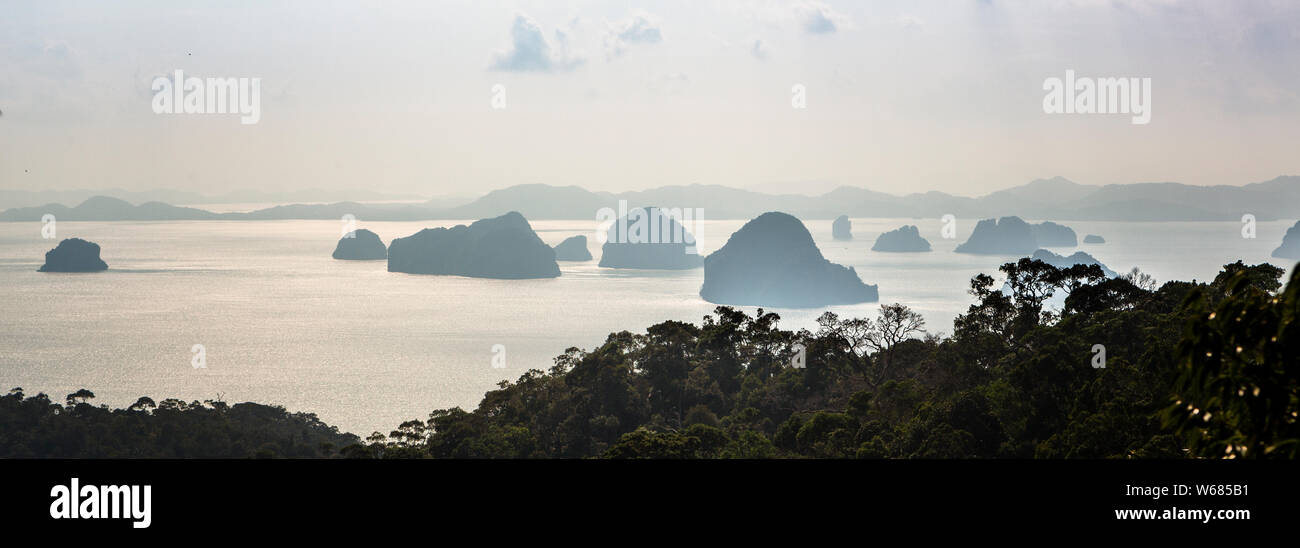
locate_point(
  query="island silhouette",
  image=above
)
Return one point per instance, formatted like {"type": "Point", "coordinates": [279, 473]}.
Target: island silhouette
{"type": "Point", "coordinates": [500, 247]}
{"type": "Point", "coordinates": [772, 261]}
{"type": "Point", "coordinates": [74, 255]}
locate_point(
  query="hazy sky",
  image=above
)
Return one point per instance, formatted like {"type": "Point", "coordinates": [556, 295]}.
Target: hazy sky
{"type": "Point", "coordinates": [902, 96]}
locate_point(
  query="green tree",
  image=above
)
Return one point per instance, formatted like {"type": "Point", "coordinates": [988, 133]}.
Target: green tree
{"type": "Point", "coordinates": [1238, 388]}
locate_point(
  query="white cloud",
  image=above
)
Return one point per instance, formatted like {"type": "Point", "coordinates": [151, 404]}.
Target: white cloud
{"type": "Point", "coordinates": [640, 28]}
{"type": "Point", "coordinates": [759, 49]}
{"type": "Point", "coordinates": [530, 51]}
{"type": "Point", "coordinates": [48, 77]}
{"type": "Point", "coordinates": [818, 18]}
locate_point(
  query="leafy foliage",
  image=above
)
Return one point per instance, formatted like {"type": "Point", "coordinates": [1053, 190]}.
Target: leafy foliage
{"type": "Point", "coordinates": [38, 427]}
{"type": "Point", "coordinates": [1238, 387]}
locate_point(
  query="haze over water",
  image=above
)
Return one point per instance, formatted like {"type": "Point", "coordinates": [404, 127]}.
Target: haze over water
{"type": "Point", "coordinates": [283, 323]}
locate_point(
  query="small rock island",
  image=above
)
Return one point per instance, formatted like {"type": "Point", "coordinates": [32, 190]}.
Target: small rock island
{"type": "Point", "coordinates": [842, 228]}
{"type": "Point", "coordinates": [648, 238]}
{"type": "Point", "coordinates": [1290, 248]}
{"type": "Point", "coordinates": [1005, 236]}
{"type": "Point", "coordinates": [74, 255]}
{"type": "Point", "coordinates": [1093, 239]}
{"type": "Point", "coordinates": [573, 249]}
{"type": "Point", "coordinates": [906, 239]}
{"type": "Point", "coordinates": [772, 261]}
{"type": "Point", "coordinates": [503, 247]}
{"type": "Point", "coordinates": [361, 245]}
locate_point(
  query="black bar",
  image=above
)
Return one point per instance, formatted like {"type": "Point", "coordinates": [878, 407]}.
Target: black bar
{"type": "Point", "coordinates": [251, 495]}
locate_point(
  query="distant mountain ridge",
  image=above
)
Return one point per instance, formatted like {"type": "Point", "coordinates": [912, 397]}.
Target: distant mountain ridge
{"type": "Point", "coordinates": [1057, 198]}
{"type": "Point", "coordinates": [11, 198]}
{"type": "Point", "coordinates": [103, 208]}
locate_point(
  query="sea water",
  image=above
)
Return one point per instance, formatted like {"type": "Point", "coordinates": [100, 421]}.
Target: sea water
{"type": "Point", "coordinates": [280, 322]}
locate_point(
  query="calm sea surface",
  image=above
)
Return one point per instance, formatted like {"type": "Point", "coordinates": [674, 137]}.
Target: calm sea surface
{"type": "Point", "coordinates": [281, 322]}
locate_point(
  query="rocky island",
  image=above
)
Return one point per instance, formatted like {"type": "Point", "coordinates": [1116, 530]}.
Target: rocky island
{"type": "Point", "coordinates": [1014, 236]}
{"type": "Point", "coordinates": [1079, 257]}
{"type": "Point", "coordinates": [1049, 234]}
{"type": "Point", "coordinates": [1093, 239]}
{"type": "Point", "coordinates": [1290, 248]}
{"type": "Point", "coordinates": [361, 245]}
{"type": "Point", "coordinates": [74, 255]}
{"type": "Point", "coordinates": [648, 238]}
{"type": "Point", "coordinates": [573, 249]}
{"type": "Point", "coordinates": [842, 228]}
{"type": "Point", "coordinates": [906, 239]}
{"type": "Point", "coordinates": [1005, 236]}
{"type": "Point", "coordinates": [502, 247]}
{"type": "Point", "coordinates": [772, 261]}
